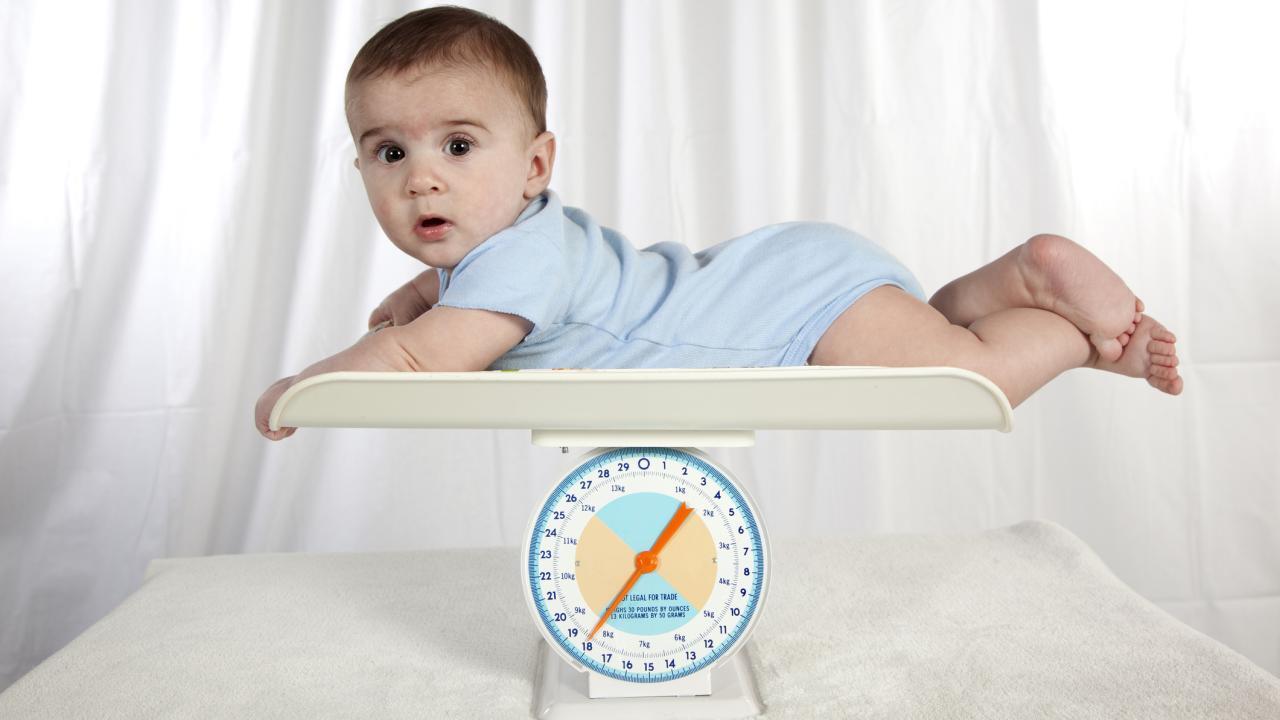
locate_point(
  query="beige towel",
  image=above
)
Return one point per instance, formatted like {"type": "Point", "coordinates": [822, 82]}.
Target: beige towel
{"type": "Point", "coordinates": [1022, 622]}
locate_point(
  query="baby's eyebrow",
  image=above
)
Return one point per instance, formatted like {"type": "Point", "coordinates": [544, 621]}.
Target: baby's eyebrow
{"type": "Point", "coordinates": [447, 123]}
{"type": "Point", "coordinates": [472, 123]}
{"type": "Point", "coordinates": [370, 131]}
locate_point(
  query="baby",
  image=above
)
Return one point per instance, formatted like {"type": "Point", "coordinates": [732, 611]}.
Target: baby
{"type": "Point", "coordinates": [447, 110]}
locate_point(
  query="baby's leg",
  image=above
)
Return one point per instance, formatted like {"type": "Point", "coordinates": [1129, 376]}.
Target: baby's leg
{"type": "Point", "coordinates": [1051, 273]}
{"type": "Point", "coordinates": [1019, 349]}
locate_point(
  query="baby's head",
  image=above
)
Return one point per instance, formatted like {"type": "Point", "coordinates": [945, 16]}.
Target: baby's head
{"type": "Point", "coordinates": [447, 109]}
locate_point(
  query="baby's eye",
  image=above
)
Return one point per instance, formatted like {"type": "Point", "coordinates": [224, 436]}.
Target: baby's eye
{"type": "Point", "coordinates": [390, 154]}
{"type": "Point", "coordinates": [458, 147]}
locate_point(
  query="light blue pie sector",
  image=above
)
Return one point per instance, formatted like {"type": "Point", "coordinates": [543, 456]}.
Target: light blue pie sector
{"type": "Point", "coordinates": [638, 518]}
{"type": "Point", "coordinates": [652, 607]}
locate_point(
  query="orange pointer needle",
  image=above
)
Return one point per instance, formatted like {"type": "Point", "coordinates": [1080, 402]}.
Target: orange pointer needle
{"type": "Point", "coordinates": [646, 562]}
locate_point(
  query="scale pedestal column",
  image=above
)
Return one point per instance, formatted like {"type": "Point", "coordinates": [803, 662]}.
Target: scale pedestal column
{"type": "Point", "coordinates": [565, 693]}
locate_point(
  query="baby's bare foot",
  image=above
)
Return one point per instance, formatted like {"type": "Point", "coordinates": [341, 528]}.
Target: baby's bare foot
{"type": "Point", "coordinates": [1137, 318]}
{"type": "Point", "coordinates": [1067, 279]}
{"type": "Point", "coordinates": [1150, 353]}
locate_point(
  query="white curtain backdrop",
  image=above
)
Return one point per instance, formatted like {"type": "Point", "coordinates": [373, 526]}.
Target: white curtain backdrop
{"type": "Point", "coordinates": [181, 224]}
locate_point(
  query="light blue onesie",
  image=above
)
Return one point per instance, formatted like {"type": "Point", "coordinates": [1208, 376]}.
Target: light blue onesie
{"type": "Point", "coordinates": [762, 299]}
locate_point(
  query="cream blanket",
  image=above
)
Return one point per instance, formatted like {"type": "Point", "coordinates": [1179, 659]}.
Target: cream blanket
{"type": "Point", "coordinates": [1021, 622]}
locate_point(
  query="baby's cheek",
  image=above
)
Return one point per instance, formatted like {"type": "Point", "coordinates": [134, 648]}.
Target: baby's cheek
{"type": "Point", "coordinates": [503, 214]}
{"type": "Point", "coordinates": [384, 211]}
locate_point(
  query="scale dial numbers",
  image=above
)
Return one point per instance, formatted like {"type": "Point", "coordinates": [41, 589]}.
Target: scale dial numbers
{"type": "Point", "coordinates": [693, 610]}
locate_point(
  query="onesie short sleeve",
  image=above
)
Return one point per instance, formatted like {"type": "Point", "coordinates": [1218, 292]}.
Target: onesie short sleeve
{"type": "Point", "coordinates": [521, 270]}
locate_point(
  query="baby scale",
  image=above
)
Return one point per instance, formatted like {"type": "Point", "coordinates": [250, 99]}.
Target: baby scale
{"type": "Point", "coordinates": [646, 565]}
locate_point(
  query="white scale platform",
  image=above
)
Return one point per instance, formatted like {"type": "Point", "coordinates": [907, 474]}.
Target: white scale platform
{"type": "Point", "coordinates": [717, 407]}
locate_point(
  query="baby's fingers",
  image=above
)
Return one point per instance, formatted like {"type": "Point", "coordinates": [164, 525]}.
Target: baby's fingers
{"type": "Point", "coordinates": [263, 422]}
{"type": "Point", "coordinates": [380, 315]}
{"type": "Point", "coordinates": [379, 326]}
{"type": "Point", "coordinates": [266, 403]}
{"type": "Point", "coordinates": [280, 434]}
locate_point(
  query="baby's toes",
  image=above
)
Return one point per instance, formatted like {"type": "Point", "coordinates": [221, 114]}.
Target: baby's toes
{"type": "Point", "coordinates": [1109, 348]}
{"type": "Point", "coordinates": [1124, 339]}
{"type": "Point", "coordinates": [1165, 360]}
{"type": "Point", "coordinates": [1160, 332]}
{"type": "Point", "coordinates": [1163, 372]}
{"type": "Point", "coordinates": [1159, 347]}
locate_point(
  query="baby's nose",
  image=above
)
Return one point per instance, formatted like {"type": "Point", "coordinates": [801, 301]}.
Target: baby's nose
{"type": "Point", "coordinates": [422, 181]}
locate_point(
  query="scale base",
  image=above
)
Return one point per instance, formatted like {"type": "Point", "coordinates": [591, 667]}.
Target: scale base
{"type": "Point", "coordinates": [562, 695]}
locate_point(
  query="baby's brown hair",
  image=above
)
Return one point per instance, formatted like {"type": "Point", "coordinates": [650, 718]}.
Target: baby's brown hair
{"type": "Point", "coordinates": [449, 35]}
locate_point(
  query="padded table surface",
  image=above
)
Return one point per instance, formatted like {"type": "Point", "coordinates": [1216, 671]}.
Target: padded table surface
{"type": "Point", "coordinates": [1018, 622]}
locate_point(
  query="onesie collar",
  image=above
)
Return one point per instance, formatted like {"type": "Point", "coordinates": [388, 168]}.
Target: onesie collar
{"type": "Point", "coordinates": [525, 221]}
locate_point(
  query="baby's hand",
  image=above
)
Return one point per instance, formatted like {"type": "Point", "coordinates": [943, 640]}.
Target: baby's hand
{"type": "Point", "coordinates": [408, 301]}
{"type": "Point", "coordinates": [262, 411]}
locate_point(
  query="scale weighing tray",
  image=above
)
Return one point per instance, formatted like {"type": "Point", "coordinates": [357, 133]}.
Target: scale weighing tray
{"type": "Point", "coordinates": [705, 407]}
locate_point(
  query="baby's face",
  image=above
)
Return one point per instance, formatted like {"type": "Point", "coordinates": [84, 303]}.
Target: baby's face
{"type": "Point", "coordinates": [447, 157]}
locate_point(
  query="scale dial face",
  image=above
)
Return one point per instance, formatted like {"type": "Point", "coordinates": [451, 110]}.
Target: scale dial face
{"type": "Point", "coordinates": [585, 545]}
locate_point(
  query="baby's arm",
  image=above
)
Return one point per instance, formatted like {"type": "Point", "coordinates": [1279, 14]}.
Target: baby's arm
{"type": "Point", "coordinates": [441, 339]}
{"type": "Point", "coordinates": [408, 301]}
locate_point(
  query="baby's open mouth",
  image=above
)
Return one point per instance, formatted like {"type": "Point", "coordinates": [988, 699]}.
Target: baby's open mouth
{"type": "Point", "coordinates": [432, 228]}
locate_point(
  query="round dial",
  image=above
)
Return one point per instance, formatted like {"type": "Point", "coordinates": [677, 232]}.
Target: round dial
{"type": "Point", "coordinates": [646, 564]}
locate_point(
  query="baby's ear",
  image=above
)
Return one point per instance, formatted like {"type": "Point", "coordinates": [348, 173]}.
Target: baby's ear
{"type": "Point", "coordinates": [542, 160]}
